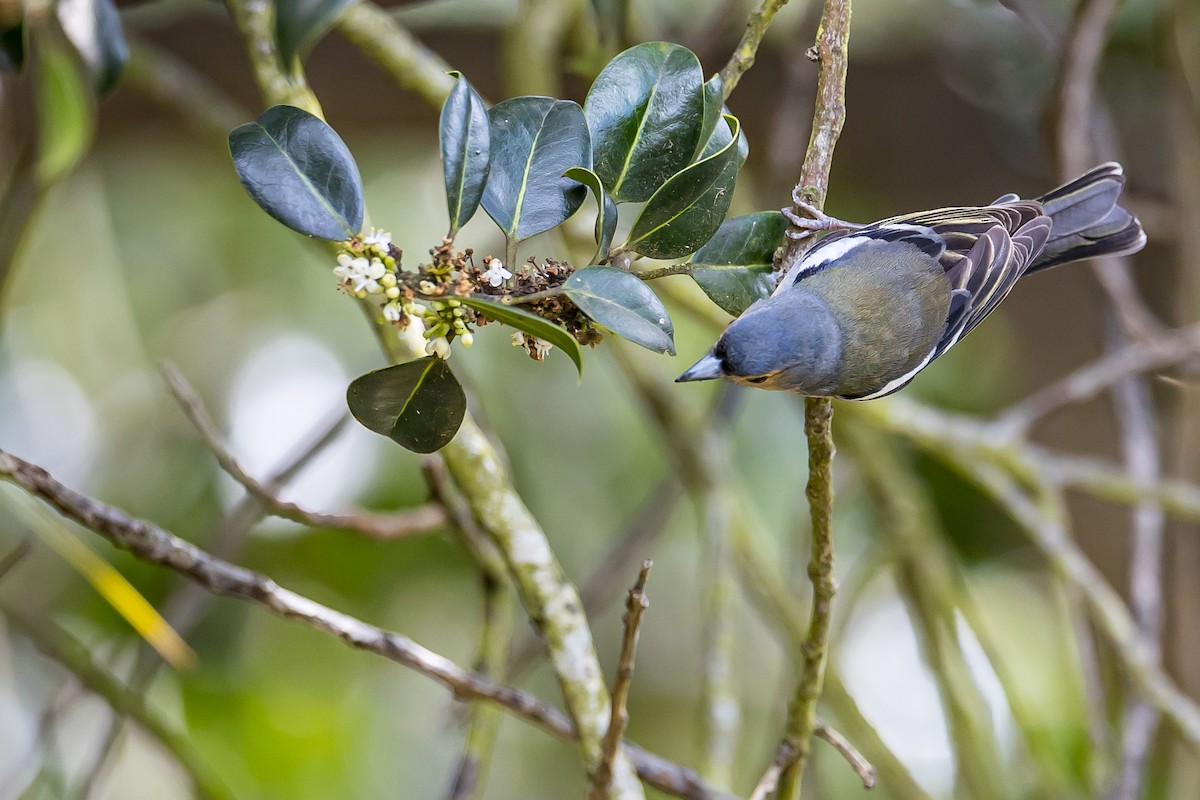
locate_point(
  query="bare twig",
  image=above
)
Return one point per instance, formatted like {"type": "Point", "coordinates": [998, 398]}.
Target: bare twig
{"type": "Point", "coordinates": [831, 49]}
{"type": "Point", "coordinates": [378, 526]}
{"type": "Point", "coordinates": [155, 545]}
{"type": "Point", "coordinates": [1090, 380]}
{"type": "Point", "coordinates": [743, 55]}
{"type": "Point", "coordinates": [786, 755]}
{"type": "Point", "coordinates": [635, 606]}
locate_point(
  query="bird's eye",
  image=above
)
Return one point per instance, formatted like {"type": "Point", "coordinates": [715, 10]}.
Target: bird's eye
{"type": "Point", "coordinates": [759, 379]}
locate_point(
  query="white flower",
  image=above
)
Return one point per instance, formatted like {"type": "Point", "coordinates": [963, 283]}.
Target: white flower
{"type": "Point", "coordinates": [378, 237]}
{"type": "Point", "coordinates": [392, 312]}
{"type": "Point", "coordinates": [496, 274]}
{"type": "Point", "coordinates": [439, 347]}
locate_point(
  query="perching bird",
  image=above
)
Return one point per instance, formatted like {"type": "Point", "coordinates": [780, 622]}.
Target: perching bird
{"type": "Point", "coordinates": [865, 310]}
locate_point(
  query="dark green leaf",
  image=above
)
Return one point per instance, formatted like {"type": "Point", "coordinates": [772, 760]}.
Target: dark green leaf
{"type": "Point", "coordinates": [12, 47]}
{"type": "Point", "coordinates": [714, 106]}
{"type": "Point", "coordinates": [300, 23]}
{"type": "Point", "coordinates": [687, 210]}
{"type": "Point", "coordinates": [606, 217]}
{"type": "Point", "coordinates": [528, 323]}
{"type": "Point", "coordinates": [419, 404]}
{"type": "Point", "coordinates": [736, 266]}
{"type": "Point", "coordinates": [645, 111]}
{"type": "Point", "coordinates": [300, 172]}
{"type": "Point", "coordinates": [94, 27]}
{"type": "Point", "coordinates": [465, 151]}
{"type": "Point", "coordinates": [65, 108]}
{"type": "Point", "coordinates": [625, 305]}
{"type": "Point", "coordinates": [534, 140]}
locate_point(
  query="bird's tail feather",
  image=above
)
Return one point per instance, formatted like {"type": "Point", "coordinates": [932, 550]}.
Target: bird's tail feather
{"type": "Point", "coordinates": [1087, 220]}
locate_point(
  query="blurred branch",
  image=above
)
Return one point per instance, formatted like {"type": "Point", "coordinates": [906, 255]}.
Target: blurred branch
{"type": "Point", "coordinates": [157, 546]}
{"type": "Point", "coordinates": [743, 55]}
{"type": "Point", "coordinates": [76, 658]}
{"type": "Point", "coordinates": [635, 606]}
{"type": "Point", "coordinates": [831, 49]}
{"type": "Point", "coordinates": [1091, 379]}
{"type": "Point", "coordinates": [173, 84]}
{"type": "Point", "coordinates": [14, 557]}
{"type": "Point", "coordinates": [377, 526]}
{"type": "Point", "coordinates": [414, 66]}
{"type": "Point", "coordinates": [255, 22]}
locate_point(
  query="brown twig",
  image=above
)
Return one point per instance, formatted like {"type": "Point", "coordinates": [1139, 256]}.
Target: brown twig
{"type": "Point", "coordinates": [786, 755]}
{"type": "Point", "coordinates": [635, 606]}
{"type": "Point", "coordinates": [743, 55]}
{"type": "Point", "coordinates": [155, 545]}
{"type": "Point", "coordinates": [418, 520]}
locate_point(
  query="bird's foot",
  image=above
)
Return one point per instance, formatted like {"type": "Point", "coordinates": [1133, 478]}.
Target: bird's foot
{"type": "Point", "coordinates": [807, 219]}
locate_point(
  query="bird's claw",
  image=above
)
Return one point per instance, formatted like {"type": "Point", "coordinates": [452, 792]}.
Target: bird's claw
{"type": "Point", "coordinates": [807, 219]}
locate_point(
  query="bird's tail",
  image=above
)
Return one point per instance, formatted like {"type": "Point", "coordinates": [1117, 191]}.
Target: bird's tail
{"type": "Point", "coordinates": [1087, 220]}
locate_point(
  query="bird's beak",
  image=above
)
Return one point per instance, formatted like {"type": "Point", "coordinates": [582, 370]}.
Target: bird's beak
{"type": "Point", "coordinates": [705, 369]}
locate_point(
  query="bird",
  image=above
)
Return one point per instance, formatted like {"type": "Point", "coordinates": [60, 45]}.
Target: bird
{"type": "Point", "coordinates": [868, 307]}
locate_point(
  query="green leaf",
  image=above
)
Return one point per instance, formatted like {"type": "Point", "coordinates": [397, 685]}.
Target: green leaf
{"type": "Point", "coordinates": [466, 156]}
{"type": "Point", "coordinates": [625, 305]}
{"type": "Point", "coordinates": [606, 217]}
{"type": "Point", "coordinates": [688, 209]}
{"type": "Point", "coordinates": [65, 108]}
{"type": "Point", "coordinates": [645, 112]}
{"type": "Point", "coordinates": [94, 28]}
{"type": "Point", "coordinates": [736, 266]}
{"type": "Point", "coordinates": [714, 106]}
{"type": "Point", "coordinates": [12, 47]}
{"type": "Point", "coordinates": [528, 323]}
{"type": "Point", "coordinates": [300, 172]}
{"type": "Point", "coordinates": [420, 404]}
{"type": "Point", "coordinates": [534, 140]}
{"type": "Point", "coordinates": [300, 23]}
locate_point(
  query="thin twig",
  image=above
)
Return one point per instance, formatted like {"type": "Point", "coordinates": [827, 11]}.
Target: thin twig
{"type": "Point", "coordinates": [786, 755]}
{"type": "Point", "coordinates": [743, 55]}
{"type": "Point", "coordinates": [1091, 379]}
{"type": "Point", "coordinates": [831, 49]}
{"type": "Point", "coordinates": [155, 545]}
{"type": "Point", "coordinates": [635, 606]}
{"type": "Point", "coordinates": [421, 519]}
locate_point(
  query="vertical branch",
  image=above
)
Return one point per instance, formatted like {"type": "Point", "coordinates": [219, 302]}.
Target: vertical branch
{"type": "Point", "coordinates": [744, 54]}
{"type": "Point", "coordinates": [833, 37]}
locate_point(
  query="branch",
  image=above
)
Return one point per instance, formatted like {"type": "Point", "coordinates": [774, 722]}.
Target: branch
{"type": "Point", "coordinates": [384, 40]}
{"type": "Point", "coordinates": [1090, 380]}
{"type": "Point", "coordinates": [378, 526]}
{"type": "Point", "coordinates": [833, 38]}
{"type": "Point", "coordinates": [743, 55]}
{"type": "Point", "coordinates": [157, 546]}
{"type": "Point", "coordinates": [635, 606]}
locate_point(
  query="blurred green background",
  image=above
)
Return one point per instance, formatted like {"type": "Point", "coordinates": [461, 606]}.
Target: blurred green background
{"type": "Point", "coordinates": [150, 251]}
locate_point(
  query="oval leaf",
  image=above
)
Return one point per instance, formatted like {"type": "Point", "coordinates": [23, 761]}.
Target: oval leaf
{"type": "Point", "coordinates": [300, 172]}
{"type": "Point", "coordinates": [528, 323]}
{"type": "Point", "coordinates": [300, 23]}
{"type": "Point", "coordinates": [464, 136]}
{"type": "Point", "coordinates": [625, 305]}
{"type": "Point", "coordinates": [688, 209]}
{"type": "Point", "coordinates": [606, 217]}
{"type": "Point", "coordinates": [420, 404]}
{"type": "Point", "coordinates": [645, 112]}
{"type": "Point", "coordinates": [534, 140]}
{"type": "Point", "coordinates": [736, 266]}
